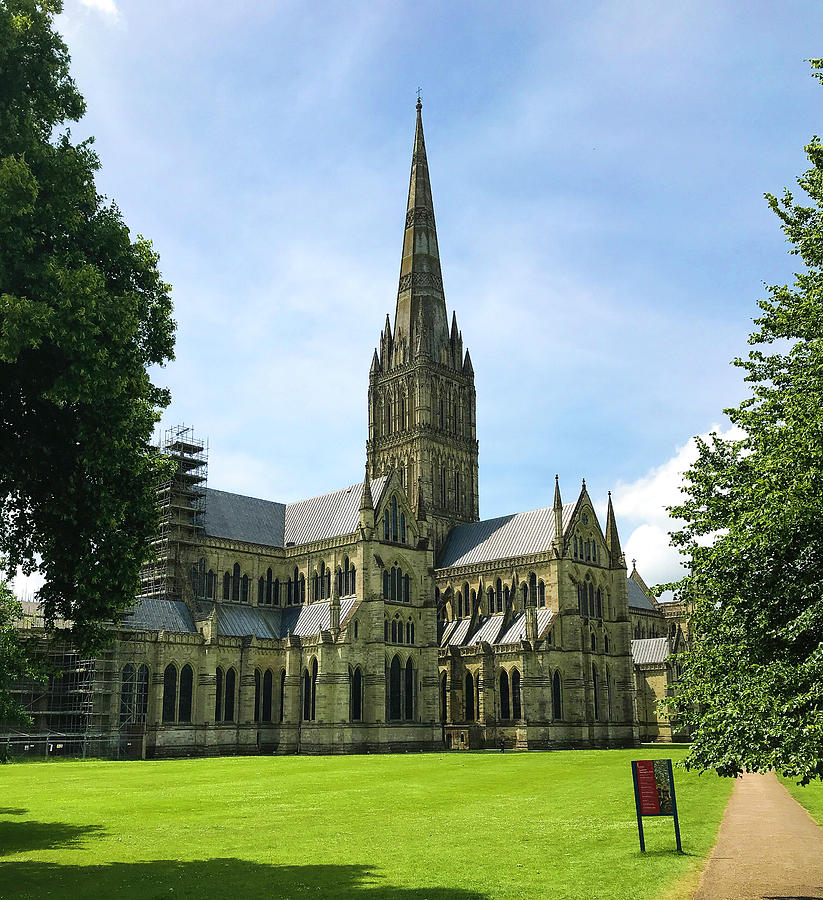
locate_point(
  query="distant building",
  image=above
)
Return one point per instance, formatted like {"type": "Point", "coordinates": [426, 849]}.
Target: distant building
{"type": "Point", "coordinates": [383, 616]}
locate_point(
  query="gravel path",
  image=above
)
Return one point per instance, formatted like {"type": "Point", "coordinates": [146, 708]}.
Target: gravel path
{"type": "Point", "coordinates": [768, 846]}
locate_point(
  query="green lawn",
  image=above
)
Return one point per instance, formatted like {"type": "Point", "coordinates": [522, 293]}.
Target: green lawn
{"type": "Point", "coordinates": [810, 796]}
{"type": "Point", "coordinates": [454, 826]}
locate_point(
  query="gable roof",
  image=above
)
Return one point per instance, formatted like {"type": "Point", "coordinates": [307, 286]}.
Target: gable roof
{"type": "Point", "coordinates": [272, 524]}
{"type": "Point", "coordinates": [243, 518]}
{"type": "Point", "coordinates": [153, 614]}
{"type": "Point", "coordinates": [515, 535]}
{"type": "Point", "coordinates": [329, 515]}
{"type": "Point", "coordinates": [638, 598]}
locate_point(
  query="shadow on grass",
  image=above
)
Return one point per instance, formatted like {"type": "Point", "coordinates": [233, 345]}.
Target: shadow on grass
{"type": "Point", "coordinates": [212, 879]}
{"type": "Point", "coordinates": [24, 837]}
{"type": "Point", "coordinates": [12, 811]}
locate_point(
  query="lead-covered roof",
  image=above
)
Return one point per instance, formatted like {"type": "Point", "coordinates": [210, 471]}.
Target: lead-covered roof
{"type": "Point", "coordinates": [519, 534]}
{"type": "Point", "coordinates": [638, 598]}
{"type": "Point", "coordinates": [271, 524]}
{"type": "Point", "coordinates": [650, 650]}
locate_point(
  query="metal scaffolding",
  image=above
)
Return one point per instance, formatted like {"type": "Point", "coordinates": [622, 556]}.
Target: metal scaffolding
{"type": "Point", "coordinates": [182, 501]}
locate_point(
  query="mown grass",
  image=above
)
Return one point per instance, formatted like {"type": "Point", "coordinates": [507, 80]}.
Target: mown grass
{"type": "Point", "coordinates": [437, 826]}
{"type": "Point", "coordinates": [810, 796]}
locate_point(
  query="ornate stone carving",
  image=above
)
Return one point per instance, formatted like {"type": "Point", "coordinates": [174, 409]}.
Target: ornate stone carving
{"type": "Point", "coordinates": [419, 215]}
{"type": "Point", "coordinates": [419, 280]}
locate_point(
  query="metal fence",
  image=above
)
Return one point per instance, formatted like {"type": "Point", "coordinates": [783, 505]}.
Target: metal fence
{"type": "Point", "coordinates": [18, 747]}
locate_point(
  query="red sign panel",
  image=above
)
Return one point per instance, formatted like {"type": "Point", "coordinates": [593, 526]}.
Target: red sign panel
{"type": "Point", "coordinates": [647, 788]}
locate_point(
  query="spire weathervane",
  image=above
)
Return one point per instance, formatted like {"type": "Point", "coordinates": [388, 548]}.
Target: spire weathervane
{"type": "Point", "coordinates": [419, 102]}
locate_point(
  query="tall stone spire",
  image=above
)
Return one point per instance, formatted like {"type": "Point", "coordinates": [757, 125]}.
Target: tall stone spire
{"type": "Point", "coordinates": [422, 403]}
{"type": "Point", "coordinates": [420, 297]}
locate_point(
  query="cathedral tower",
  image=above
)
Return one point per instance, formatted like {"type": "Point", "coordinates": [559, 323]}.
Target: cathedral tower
{"type": "Point", "coordinates": [421, 383]}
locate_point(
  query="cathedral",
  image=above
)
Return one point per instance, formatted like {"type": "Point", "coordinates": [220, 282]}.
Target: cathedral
{"type": "Point", "coordinates": [385, 616]}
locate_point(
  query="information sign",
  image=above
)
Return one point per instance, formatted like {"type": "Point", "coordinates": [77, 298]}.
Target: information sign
{"type": "Point", "coordinates": [654, 794]}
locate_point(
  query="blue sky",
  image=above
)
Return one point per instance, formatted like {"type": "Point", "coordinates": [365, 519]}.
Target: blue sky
{"type": "Point", "coordinates": [598, 172]}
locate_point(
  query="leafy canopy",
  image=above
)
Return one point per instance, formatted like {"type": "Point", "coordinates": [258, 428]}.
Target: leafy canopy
{"type": "Point", "coordinates": [83, 313]}
{"type": "Point", "coordinates": [752, 683]}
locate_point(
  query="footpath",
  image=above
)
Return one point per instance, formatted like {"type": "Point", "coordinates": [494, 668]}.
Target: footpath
{"type": "Point", "coordinates": [768, 847]}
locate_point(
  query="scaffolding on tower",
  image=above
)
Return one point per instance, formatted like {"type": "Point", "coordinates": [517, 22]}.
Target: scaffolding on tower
{"type": "Point", "coordinates": [182, 502]}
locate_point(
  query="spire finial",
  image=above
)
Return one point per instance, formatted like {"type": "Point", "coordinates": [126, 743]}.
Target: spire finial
{"type": "Point", "coordinates": [612, 537]}
{"type": "Point", "coordinates": [366, 501]}
{"type": "Point", "coordinates": [419, 102]}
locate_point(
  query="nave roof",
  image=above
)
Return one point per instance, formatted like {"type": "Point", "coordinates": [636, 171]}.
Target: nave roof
{"type": "Point", "coordinates": [519, 534]}
{"type": "Point", "coordinates": [272, 524]}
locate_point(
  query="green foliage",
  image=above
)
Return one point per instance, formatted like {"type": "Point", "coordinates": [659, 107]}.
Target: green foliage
{"type": "Point", "coordinates": [17, 660]}
{"type": "Point", "coordinates": [83, 313]}
{"type": "Point", "coordinates": [403, 827]}
{"type": "Point", "coordinates": [752, 683]}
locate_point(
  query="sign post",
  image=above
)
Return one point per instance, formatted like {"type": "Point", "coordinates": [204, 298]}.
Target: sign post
{"type": "Point", "coordinates": [654, 794]}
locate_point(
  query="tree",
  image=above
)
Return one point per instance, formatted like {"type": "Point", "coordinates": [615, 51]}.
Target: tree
{"type": "Point", "coordinates": [18, 662]}
{"type": "Point", "coordinates": [752, 682]}
{"type": "Point", "coordinates": [83, 313]}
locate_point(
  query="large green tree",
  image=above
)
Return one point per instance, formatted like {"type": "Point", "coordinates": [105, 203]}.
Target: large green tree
{"type": "Point", "coordinates": [752, 684]}
{"type": "Point", "coordinates": [83, 313]}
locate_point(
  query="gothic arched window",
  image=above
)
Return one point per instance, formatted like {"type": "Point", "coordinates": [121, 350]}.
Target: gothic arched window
{"type": "Point", "coordinates": [357, 695]}
{"type": "Point", "coordinates": [231, 681]}
{"type": "Point", "coordinates": [505, 708]}
{"type": "Point", "coordinates": [169, 693]}
{"type": "Point", "coordinates": [517, 708]}
{"type": "Point", "coordinates": [409, 692]}
{"type": "Point", "coordinates": [265, 713]}
{"type": "Point", "coordinates": [557, 698]}
{"type": "Point", "coordinates": [395, 693]}
{"type": "Point", "coordinates": [186, 692]}
{"type": "Point", "coordinates": [469, 697]}
{"type": "Point", "coordinates": [218, 695]}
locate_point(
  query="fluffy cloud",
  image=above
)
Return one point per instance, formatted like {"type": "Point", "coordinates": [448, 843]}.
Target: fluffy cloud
{"type": "Point", "coordinates": [640, 507]}
{"type": "Point", "coordinates": [107, 7]}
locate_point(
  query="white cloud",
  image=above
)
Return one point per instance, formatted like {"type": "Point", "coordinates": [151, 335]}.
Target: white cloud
{"type": "Point", "coordinates": [107, 7]}
{"type": "Point", "coordinates": [641, 505]}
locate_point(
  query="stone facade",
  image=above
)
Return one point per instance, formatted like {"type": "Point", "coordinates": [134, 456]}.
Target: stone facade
{"type": "Point", "coordinates": [385, 616]}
